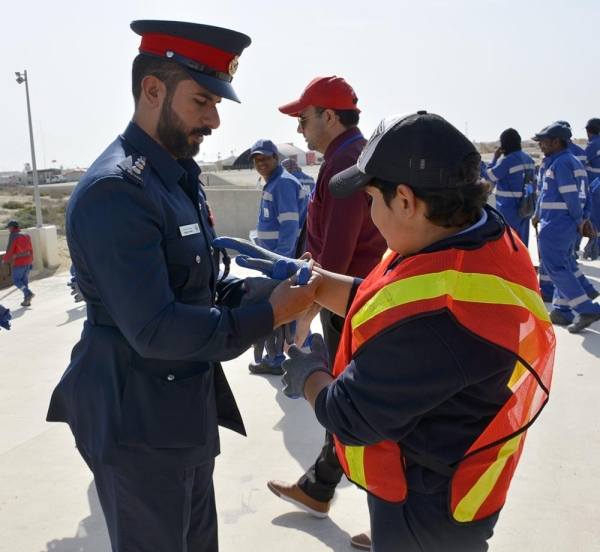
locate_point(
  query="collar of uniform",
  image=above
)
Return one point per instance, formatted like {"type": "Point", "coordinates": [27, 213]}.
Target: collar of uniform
{"type": "Point", "coordinates": [554, 156]}
{"type": "Point", "coordinates": [338, 141]}
{"type": "Point", "coordinates": [168, 169]}
{"type": "Point", "coordinates": [276, 174]}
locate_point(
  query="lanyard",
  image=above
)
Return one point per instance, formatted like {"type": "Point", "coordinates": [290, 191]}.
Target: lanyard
{"type": "Point", "coordinates": [345, 144]}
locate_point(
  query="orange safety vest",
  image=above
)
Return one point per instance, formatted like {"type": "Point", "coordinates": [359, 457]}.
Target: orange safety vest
{"type": "Point", "coordinates": [493, 292]}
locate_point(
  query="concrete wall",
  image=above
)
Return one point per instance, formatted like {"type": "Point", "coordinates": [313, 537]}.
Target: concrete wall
{"type": "Point", "coordinates": [235, 211]}
{"type": "Point", "coordinates": [45, 246]}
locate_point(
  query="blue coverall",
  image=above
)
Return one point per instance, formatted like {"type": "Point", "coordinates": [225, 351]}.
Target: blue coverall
{"type": "Point", "coordinates": [561, 213]}
{"type": "Point", "coordinates": [508, 176]}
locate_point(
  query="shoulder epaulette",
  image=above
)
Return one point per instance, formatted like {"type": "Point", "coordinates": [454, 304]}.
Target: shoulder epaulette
{"type": "Point", "coordinates": [136, 168]}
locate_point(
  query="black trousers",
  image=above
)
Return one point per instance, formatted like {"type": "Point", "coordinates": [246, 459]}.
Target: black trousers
{"type": "Point", "coordinates": [423, 524]}
{"type": "Point", "coordinates": [321, 479]}
{"type": "Point", "coordinates": [150, 510]}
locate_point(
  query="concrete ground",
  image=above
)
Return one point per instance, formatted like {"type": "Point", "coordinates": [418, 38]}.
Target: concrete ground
{"type": "Point", "coordinates": [48, 501]}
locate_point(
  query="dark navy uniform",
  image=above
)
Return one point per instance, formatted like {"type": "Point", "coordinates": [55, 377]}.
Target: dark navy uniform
{"type": "Point", "coordinates": [145, 387]}
{"type": "Point", "coordinates": [145, 392]}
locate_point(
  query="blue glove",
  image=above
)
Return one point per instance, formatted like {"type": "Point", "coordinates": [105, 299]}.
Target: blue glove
{"type": "Point", "coordinates": [5, 317]}
{"type": "Point", "coordinates": [255, 257]}
{"type": "Point", "coordinates": [300, 366]}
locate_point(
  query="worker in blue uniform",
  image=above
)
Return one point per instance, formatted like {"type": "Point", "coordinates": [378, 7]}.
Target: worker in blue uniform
{"type": "Point", "coordinates": [592, 249]}
{"type": "Point", "coordinates": [511, 170]}
{"type": "Point", "coordinates": [574, 148]}
{"type": "Point", "coordinates": [592, 151]}
{"type": "Point", "coordinates": [561, 213]}
{"type": "Point", "coordinates": [307, 181]}
{"type": "Point", "coordinates": [145, 392]}
{"type": "Point", "coordinates": [281, 214]}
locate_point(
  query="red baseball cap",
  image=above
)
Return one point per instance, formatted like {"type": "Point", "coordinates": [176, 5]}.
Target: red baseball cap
{"type": "Point", "coordinates": [328, 92]}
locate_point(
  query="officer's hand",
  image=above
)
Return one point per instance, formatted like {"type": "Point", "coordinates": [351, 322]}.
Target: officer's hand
{"type": "Point", "coordinates": [291, 301]}
{"type": "Point", "coordinates": [255, 257]}
{"type": "Point", "coordinates": [300, 366]}
{"type": "Point", "coordinates": [498, 153]}
{"type": "Point", "coordinates": [258, 290]}
{"type": "Point", "coordinates": [535, 219]}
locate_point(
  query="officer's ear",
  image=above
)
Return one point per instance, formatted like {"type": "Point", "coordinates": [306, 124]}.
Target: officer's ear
{"type": "Point", "coordinates": [153, 92]}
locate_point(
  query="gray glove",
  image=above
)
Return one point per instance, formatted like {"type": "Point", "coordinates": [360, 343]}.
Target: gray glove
{"type": "Point", "coordinates": [300, 366]}
{"type": "Point", "coordinates": [259, 291]}
{"type": "Point", "coordinates": [255, 257]}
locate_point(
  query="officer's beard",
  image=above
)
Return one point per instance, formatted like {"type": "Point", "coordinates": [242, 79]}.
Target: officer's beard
{"type": "Point", "coordinates": [173, 135]}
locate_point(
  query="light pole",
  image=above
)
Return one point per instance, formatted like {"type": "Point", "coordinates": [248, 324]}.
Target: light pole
{"type": "Point", "coordinates": [22, 78]}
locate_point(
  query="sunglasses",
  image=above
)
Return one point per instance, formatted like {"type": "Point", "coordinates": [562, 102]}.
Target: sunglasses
{"type": "Point", "coordinates": [302, 120]}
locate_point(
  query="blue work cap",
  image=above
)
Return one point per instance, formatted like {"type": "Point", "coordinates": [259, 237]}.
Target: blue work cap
{"type": "Point", "coordinates": [266, 147]}
{"type": "Point", "coordinates": [555, 130]}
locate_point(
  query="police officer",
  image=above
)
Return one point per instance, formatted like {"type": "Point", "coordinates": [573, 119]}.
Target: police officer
{"type": "Point", "coordinates": [144, 392]}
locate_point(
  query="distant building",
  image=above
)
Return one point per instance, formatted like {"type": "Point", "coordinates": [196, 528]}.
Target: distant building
{"type": "Point", "coordinates": [44, 175]}
{"type": "Point", "coordinates": [74, 175]}
{"type": "Point", "coordinates": [286, 150]}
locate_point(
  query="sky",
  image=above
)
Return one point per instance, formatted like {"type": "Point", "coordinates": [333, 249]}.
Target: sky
{"type": "Point", "coordinates": [483, 65]}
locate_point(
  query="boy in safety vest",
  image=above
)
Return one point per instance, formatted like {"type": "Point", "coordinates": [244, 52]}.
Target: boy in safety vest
{"type": "Point", "coordinates": [447, 350]}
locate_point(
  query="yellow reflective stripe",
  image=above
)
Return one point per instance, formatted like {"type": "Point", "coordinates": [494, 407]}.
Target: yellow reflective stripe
{"type": "Point", "coordinates": [356, 464]}
{"type": "Point", "coordinates": [468, 507]}
{"type": "Point", "coordinates": [517, 374]}
{"type": "Point", "coordinates": [461, 286]}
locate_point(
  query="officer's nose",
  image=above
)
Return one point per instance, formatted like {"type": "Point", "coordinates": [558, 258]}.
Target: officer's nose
{"type": "Point", "coordinates": [211, 118]}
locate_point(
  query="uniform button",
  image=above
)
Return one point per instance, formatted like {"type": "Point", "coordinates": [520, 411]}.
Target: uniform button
{"type": "Point", "coordinates": [170, 377]}
{"type": "Point", "coordinates": [198, 259]}
{"type": "Point", "coordinates": [216, 297]}
{"type": "Point", "coordinates": [212, 250]}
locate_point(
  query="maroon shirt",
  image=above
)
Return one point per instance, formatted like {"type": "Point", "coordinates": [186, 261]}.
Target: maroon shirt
{"type": "Point", "coordinates": [341, 236]}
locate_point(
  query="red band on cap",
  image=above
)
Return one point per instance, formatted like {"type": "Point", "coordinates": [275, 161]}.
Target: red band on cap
{"type": "Point", "coordinates": [159, 44]}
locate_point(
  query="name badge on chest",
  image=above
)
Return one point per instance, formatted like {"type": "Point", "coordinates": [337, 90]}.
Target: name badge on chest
{"type": "Point", "coordinates": [189, 229]}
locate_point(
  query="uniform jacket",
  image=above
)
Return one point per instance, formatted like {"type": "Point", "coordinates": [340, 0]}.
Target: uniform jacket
{"type": "Point", "coordinates": [564, 191]}
{"type": "Point", "coordinates": [592, 152]}
{"type": "Point", "coordinates": [281, 213]}
{"type": "Point", "coordinates": [507, 175]}
{"type": "Point", "coordinates": [144, 383]}
{"type": "Point", "coordinates": [307, 181]}
{"type": "Point", "coordinates": [578, 152]}
{"type": "Point", "coordinates": [19, 247]}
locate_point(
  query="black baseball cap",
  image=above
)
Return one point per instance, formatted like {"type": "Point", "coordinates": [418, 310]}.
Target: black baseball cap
{"type": "Point", "coordinates": [593, 123]}
{"type": "Point", "coordinates": [420, 149]}
{"type": "Point", "coordinates": [209, 55]}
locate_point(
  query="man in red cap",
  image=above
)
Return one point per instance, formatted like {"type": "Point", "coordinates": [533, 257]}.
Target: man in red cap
{"type": "Point", "coordinates": [145, 392]}
{"type": "Point", "coordinates": [328, 117]}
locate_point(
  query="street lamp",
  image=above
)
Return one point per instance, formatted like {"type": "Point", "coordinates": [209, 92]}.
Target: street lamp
{"type": "Point", "coordinates": [22, 78]}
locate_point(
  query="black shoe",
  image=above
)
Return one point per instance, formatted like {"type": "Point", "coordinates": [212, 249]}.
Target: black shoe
{"type": "Point", "coordinates": [584, 321]}
{"type": "Point", "coordinates": [27, 301]}
{"type": "Point", "coordinates": [559, 319]}
{"type": "Point", "coordinates": [594, 294]}
{"type": "Point", "coordinates": [265, 368]}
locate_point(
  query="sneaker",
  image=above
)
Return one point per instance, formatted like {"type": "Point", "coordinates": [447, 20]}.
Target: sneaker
{"type": "Point", "coordinates": [559, 319]}
{"type": "Point", "coordinates": [361, 541]}
{"type": "Point", "coordinates": [584, 321]}
{"type": "Point", "coordinates": [263, 367]}
{"type": "Point", "coordinates": [27, 301]}
{"type": "Point", "coordinates": [594, 294]}
{"type": "Point", "coordinates": [78, 298]}
{"type": "Point", "coordinates": [296, 496]}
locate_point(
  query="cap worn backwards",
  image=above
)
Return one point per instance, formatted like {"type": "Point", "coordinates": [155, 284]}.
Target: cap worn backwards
{"type": "Point", "coordinates": [326, 92]}
{"type": "Point", "coordinates": [420, 149]}
{"type": "Point", "coordinates": [209, 55]}
{"type": "Point", "coordinates": [265, 147]}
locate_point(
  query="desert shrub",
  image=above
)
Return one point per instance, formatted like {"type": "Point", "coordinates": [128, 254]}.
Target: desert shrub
{"type": "Point", "coordinates": [13, 205]}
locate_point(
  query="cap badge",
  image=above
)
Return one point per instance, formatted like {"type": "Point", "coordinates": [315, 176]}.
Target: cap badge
{"type": "Point", "coordinates": [233, 65]}
{"type": "Point", "coordinates": [169, 53]}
